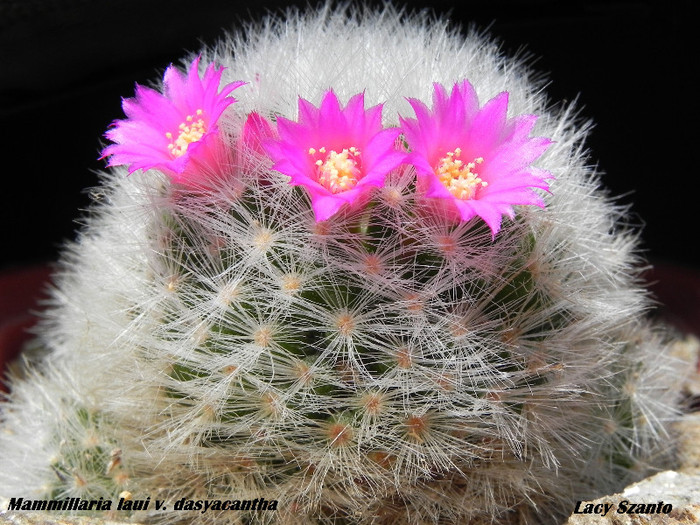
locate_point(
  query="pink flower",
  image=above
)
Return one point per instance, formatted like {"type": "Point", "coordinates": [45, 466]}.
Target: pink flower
{"type": "Point", "coordinates": [251, 156]}
{"type": "Point", "coordinates": [337, 154]}
{"type": "Point", "coordinates": [174, 132]}
{"type": "Point", "coordinates": [476, 161]}
{"type": "Point", "coordinates": [256, 130]}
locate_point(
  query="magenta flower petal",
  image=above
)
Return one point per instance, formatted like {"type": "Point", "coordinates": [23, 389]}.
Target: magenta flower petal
{"type": "Point", "coordinates": [475, 160]}
{"type": "Point", "coordinates": [256, 131]}
{"type": "Point", "coordinates": [487, 127]}
{"type": "Point", "coordinates": [338, 154]}
{"type": "Point", "coordinates": [176, 131]}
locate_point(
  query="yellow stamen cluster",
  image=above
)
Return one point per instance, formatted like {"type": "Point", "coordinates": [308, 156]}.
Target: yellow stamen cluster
{"type": "Point", "coordinates": [188, 132]}
{"type": "Point", "coordinates": [459, 178]}
{"type": "Point", "coordinates": [339, 171]}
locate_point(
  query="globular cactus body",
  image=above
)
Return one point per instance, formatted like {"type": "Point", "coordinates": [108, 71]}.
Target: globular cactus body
{"type": "Point", "coordinates": [387, 365]}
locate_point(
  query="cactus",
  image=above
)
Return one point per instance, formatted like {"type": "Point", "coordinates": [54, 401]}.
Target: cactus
{"type": "Point", "coordinates": [210, 338]}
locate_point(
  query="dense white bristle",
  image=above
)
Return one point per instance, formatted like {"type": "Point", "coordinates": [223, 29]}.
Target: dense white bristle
{"type": "Point", "coordinates": [230, 348]}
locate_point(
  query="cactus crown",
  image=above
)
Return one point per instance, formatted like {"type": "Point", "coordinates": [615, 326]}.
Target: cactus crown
{"type": "Point", "coordinates": [371, 343]}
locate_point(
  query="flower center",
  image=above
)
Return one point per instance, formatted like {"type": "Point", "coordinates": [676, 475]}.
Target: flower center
{"type": "Point", "coordinates": [189, 131]}
{"type": "Point", "coordinates": [459, 178]}
{"type": "Point", "coordinates": [338, 171]}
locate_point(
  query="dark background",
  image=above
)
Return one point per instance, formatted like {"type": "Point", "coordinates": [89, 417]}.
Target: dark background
{"type": "Point", "coordinates": [64, 64]}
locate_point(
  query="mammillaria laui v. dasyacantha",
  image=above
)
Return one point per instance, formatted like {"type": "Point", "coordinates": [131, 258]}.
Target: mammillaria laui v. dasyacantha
{"type": "Point", "coordinates": [380, 285]}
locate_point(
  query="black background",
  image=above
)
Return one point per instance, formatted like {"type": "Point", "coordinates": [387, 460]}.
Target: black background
{"type": "Point", "coordinates": [64, 64]}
